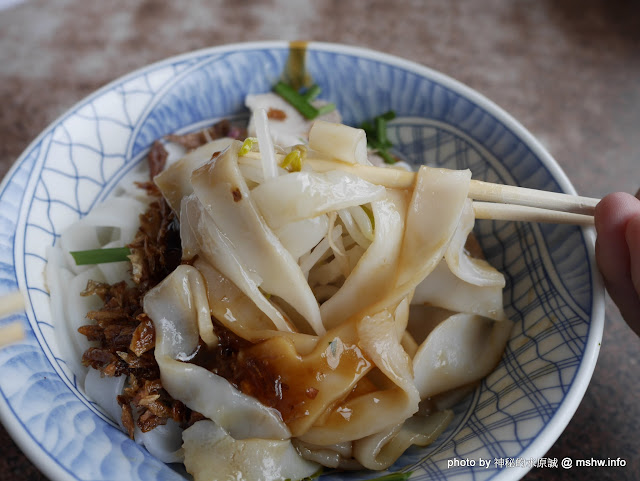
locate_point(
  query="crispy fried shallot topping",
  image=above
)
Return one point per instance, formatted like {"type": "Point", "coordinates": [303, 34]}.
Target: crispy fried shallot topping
{"type": "Point", "coordinates": [193, 140]}
{"type": "Point", "coordinates": [123, 335]}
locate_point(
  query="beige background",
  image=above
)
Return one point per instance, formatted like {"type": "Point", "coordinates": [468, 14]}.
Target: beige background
{"type": "Point", "coordinates": [568, 70]}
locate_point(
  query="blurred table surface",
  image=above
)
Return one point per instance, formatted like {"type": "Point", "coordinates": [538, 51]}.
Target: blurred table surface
{"type": "Point", "coordinates": [568, 70]}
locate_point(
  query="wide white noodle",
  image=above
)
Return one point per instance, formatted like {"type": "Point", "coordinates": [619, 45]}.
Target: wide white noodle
{"type": "Point", "coordinates": [460, 350]}
{"type": "Point", "coordinates": [442, 288]}
{"type": "Point", "coordinates": [267, 247]}
{"type": "Point", "coordinates": [206, 238]}
{"type": "Point", "coordinates": [224, 194]}
{"type": "Point", "coordinates": [340, 141]}
{"type": "Point", "coordinates": [469, 269]}
{"type": "Point", "coordinates": [174, 311]}
{"type": "Point", "coordinates": [302, 195]}
{"type": "Point", "coordinates": [175, 180]}
{"type": "Point", "coordinates": [212, 455]}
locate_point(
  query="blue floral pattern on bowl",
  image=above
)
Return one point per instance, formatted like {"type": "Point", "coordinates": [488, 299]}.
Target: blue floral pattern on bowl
{"type": "Point", "coordinates": [552, 293]}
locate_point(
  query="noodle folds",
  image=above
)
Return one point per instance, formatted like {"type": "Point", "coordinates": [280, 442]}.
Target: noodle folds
{"type": "Point", "coordinates": [317, 272]}
{"type": "Point", "coordinates": [317, 318]}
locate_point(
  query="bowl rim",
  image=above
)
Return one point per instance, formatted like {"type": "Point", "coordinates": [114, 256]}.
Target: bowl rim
{"type": "Point", "coordinates": [561, 418]}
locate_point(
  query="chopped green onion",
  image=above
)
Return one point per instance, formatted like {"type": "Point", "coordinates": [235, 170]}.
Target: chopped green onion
{"type": "Point", "coordinates": [247, 146]}
{"type": "Point", "coordinates": [377, 135]}
{"type": "Point", "coordinates": [381, 130]}
{"type": "Point", "coordinates": [325, 109]}
{"type": "Point", "coordinates": [101, 256]}
{"type": "Point", "coordinates": [389, 115]}
{"type": "Point", "coordinates": [312, 92]}
{"type": "Point", "coordinates": [302, 102]}
{"type": "Point", "coordinates": [386, 156]}
{"type": "Point", "coordinates": [369, 129]}
{"type": "Point", "coordinates": [296, 100]}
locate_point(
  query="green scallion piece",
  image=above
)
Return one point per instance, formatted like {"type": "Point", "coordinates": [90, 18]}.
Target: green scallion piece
{"type": "Point", "coordinates": [312, 92]}
{"type": "Point", "coordinates": [377, 135]}
{"type": "Point", "coordinates": [325, 109]}
{"type": "Point", "coordinates": [302, 102]}
{"type": "Point", "coordinates": [369, 129]}
{"type": "Point", "coordinates": [386, 156]}
{"type": "Point", "coordinates": [296, 100]}
{"type": "Point", "coordinates": [381, 130]}
{"type": "Point", "coordinates": [101, 256]}
{"type": "Point", "coordinates": [388, 116]}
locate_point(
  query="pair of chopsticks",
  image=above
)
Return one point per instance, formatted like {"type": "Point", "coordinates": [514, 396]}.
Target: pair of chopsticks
{"type": "Point", "coordinates": [491, 201]}
{"type": "Point", "coordinates": [13, 332]}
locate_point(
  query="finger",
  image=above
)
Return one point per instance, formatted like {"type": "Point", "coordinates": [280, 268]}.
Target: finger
{"type": "Point", "coordinates": [612, 216]}
{"type": "Point", "coordinates": [632, 235]}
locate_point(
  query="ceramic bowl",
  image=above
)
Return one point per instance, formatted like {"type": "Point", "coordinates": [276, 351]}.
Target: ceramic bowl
{"type": "Point", "coordinates": [553, 293]}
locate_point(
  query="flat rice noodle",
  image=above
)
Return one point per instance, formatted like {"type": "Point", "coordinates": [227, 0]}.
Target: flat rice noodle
{"type": "Point", "coordinates": [120, 213]}
{"type": "Point", "coordinates": [174, 312]}
{"type": "Point", "coordinates": [471, 270]}
{"type": "Point", "coordinates": [315, 381]}
{"type": "Point", "coordinates": [238, 313]}
{"type": "Point", "coordinates": [432, 218]}
{"type": "Point", "coordinates": [460, 350]}
{"type": "Point", "coordinates": [114, 272]}
{"type": "Point", "coordinates": [373, 412]}
{"type": "Point", "coordinates": [381, 450]}
{"type": "Point", "coordinates": [175, 181]}
{"type": "Point", "coordinates": [113, 222]}
{"type": "Point", "coordinates": [301, 236]}
{"type": "Point", "coordinates": [337, 456]}
{"type": "Point", "coordinates": [69, 308]}
{"type": "Point", "coordinates": [218, 250]}
{"type": "Point", "coordinates": [210, 454]}
{"type": "Point", "coordinates": [221, 189]}
{"type": "Point", "coordinates": [444, 289]}
{"type": "Point", "coordinates": [163, 442]}
{"type": "Point", "coordinates": [302, 195]}
{"type": "Point", "coordinates": [340, 141]}
{"type": "Point", "coordinates": [104, 390]}
{"type": "Point", "coordinates": [370, 279]}
{"type": "Point", "coordinates": [320, 252]}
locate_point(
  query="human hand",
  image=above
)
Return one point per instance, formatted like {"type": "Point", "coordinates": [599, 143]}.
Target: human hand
{"type": "Point", "coordinates": [617, 219]}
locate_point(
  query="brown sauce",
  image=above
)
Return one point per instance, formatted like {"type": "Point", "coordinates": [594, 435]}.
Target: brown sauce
{"type": "Point", "coordinates": [229, 359]}
{"type": "Point", "coordinates": [276, 375]}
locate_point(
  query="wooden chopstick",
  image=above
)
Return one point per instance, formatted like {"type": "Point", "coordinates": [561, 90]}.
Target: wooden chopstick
{"type": "Point", "coordinates": [13, 332]}
{"type": "Point", "coordinates": [525, 213]}
{"type": "Point", "coordinates": [499, 201]}
{"type": "Point", "coordinates": [510, 194]}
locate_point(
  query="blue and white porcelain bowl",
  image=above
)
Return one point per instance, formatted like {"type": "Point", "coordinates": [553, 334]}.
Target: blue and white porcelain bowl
{"type": "Point", "coordinates": [553, 293]}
